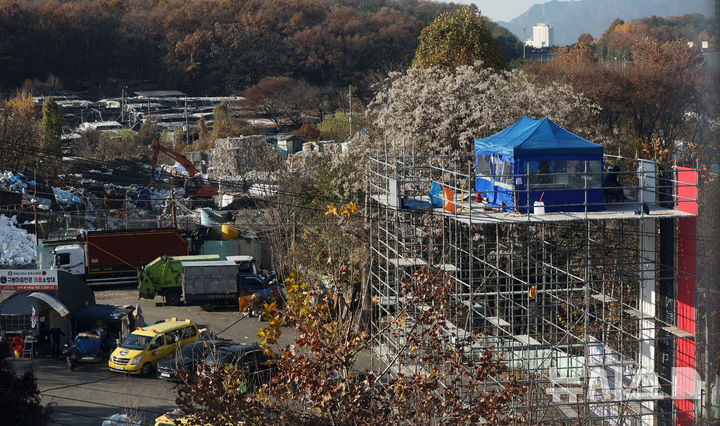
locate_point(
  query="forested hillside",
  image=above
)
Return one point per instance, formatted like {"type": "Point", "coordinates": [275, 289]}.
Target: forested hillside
{"type": "Point", "coordinates": [620, 36]}
{"type": "Point", "coordinates": [207, 46]}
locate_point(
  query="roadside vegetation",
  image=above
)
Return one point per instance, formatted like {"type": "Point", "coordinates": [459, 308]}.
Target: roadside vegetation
{"type": "Point", "coordinates": [19, 395]}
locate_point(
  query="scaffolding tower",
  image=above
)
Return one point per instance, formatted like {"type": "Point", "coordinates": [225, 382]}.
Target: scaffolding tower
{"type": "Point", "coordinates": [583, 305]}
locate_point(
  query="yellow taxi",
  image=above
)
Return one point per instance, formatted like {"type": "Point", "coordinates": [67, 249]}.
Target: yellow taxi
{"type": "Point", "coordinates": [177, 417]}
{"type": "Point", "coordinates": [145, 346]}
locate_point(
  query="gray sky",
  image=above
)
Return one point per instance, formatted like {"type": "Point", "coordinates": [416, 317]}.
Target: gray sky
{"type": "Point", "coordinates": [502, 10]}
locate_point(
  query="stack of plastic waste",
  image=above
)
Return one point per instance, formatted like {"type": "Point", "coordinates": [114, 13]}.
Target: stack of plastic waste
{"type": "Point", "coordinates": [17, 246]}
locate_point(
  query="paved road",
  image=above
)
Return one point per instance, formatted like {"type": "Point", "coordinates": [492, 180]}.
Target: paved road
{"type": "Point", "coordinates": [92, 393]}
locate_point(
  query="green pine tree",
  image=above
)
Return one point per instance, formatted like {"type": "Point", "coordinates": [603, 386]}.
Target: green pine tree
{"type": "Point", "coordinates": [51, 126]}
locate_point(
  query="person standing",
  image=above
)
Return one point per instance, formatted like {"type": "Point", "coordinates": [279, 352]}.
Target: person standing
{"type": "Point", "coordinates": [55, 334]}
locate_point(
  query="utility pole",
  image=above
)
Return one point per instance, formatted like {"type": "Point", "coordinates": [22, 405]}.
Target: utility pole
{"type": "Point", "coordinates": [708, 340]}
{"type": "Point", "coordinates": [122, 105]}
{"type": "Point", "coordinates": [524, 42]}
{"type": "Point", "coordinates": [187, 126]}
{"type": "Point", "coordinates": [350, 119]}
{"type": "Point", "coordinates": [126, 210]}
{"type": "Point", "coordinates": [35, 204]}
{"type": "Point", "coordinates": [172, 205]}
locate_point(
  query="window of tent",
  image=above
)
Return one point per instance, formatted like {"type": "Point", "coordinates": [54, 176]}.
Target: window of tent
{"type": "Point", "coordinates": [502, 171]}
{"type": "Point", "coordinates": [566, 174]}
{"type": "Point", "coordinates": [580, 171]}
{"type": "Point", "coordinates": [483, 166]}
{"type": "Point", "coordinates": [15, 322]}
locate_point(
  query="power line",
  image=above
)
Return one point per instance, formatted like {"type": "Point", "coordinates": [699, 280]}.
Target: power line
{"type": "Point", "coordinates": [75, 384]}
{"type": "Point", "coordinates": [103, 403]}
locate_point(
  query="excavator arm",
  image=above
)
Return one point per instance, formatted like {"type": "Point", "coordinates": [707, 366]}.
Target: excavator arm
{"type": "Point", "coordinates": [194, 186]}
{"type": "Point", "coordinates": [157, 147]}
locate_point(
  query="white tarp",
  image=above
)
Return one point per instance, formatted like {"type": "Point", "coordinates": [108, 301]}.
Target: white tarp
{"type": "Point", "coordinates": [52, 301]}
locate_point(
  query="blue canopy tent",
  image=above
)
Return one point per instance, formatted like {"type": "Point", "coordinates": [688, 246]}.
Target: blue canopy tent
{"type": "Point", "coordinates": [563, 166]}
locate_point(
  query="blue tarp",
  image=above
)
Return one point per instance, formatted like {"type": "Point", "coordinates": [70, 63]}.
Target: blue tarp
{"type": "Point", "coordinates": [88, 345]}
{"type": "Point", "coordinates": [537, 158]}
{"type": "Point", "coordinates": [528, 137]}
{"type": "Point", "coordinates": [435, 198]}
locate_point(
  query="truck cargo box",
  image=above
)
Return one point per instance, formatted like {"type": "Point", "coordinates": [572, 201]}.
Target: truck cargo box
{"type": "Point", "coordinates": [120, 253]}
{"type": "Point", "coordinates": [210, 282]}
{"type": "Point", "coordinates": [163, 276]}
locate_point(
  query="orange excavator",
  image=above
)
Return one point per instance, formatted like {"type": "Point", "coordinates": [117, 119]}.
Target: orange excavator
{"type": "Point", "coordinates": [195, 186]}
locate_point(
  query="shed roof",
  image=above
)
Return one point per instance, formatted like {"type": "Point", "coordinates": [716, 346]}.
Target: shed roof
{"type": "Point", "coordinates": [107, 313]}
{"type": "Point", "coordinates": [208, 263]}
{"type": "Point", "coordinates": [536, 137]}
{"type": "Point", "coordinates": [159, 93]}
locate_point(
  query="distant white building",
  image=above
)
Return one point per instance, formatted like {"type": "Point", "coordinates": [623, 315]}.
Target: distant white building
{"type": "Point", "coordinates": [542, 36]}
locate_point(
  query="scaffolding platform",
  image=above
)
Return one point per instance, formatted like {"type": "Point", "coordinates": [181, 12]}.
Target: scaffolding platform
{"type": "Point", "coordinates": [564, 291]}
{"type": "Point", "coordinates": [679, 332]}
{"type": "Point", "coordinates": [478, 214]}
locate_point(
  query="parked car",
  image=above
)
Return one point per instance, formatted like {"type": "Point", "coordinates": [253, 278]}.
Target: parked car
{"type": "Point", "coordinates": [258, 367]}
{"type": "Point", "coordinates": [87, 347]}
{"type": "Point", "coordinates": [182, 364]}
{"type": "Point", "coordinates": [140, 352]}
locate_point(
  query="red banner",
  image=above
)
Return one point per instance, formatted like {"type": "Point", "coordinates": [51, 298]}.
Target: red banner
{"type": "Point", "coordinates": [28, 279]}
{"type": "Point", "coordinates": [687, 262]}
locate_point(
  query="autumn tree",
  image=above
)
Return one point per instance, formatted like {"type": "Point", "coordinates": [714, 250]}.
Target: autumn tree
{"type": "Point", "coordinates": [51, 85]}
{"type": "Point", "coordinates": [459, 38]}
{"type": "Point", "coordinates": [617, 41]}
{"type": "Point", "coordinates": [663, 77]}
{"type": "Point", "coordinates": [120, 144]}
{"type": "Point", "coordinates": [578, 66]}
{"type": "Point", "coordinates": [648, 103]}
{"type": "Point", "coordinates": [148, 131]}
{"type": "Point", "coordinates": [317, 381]}
{"type": "Point", "coordinates": [585, 38]}
{"type": "Point", "coordinates": [308, 131]}
{"type": "Point", "coordinates": [20, 138]}
{"type": "Point", "coordinates": [436, 112]}
{"type": "Point", "coordinates": [281, 99]}
{"type": "Point", "coordinates": [337, 126]}
{"type": "Point", "coordinates": [225, 125]}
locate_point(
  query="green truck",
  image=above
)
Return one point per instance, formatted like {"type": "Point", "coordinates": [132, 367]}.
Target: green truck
{"type": "Point", "coordinates": [164, 275]}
